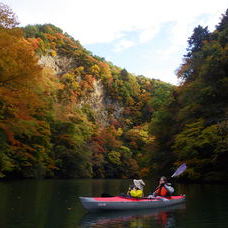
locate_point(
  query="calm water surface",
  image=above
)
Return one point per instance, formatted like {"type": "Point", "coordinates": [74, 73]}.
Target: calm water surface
{"type": "Point", "coordinates": [54, 203]}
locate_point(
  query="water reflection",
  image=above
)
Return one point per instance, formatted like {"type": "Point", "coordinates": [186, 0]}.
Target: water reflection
{"type": "Point", "coordinates": [162, 217]}
{"type": "Point", "coordinates": [55, 204]}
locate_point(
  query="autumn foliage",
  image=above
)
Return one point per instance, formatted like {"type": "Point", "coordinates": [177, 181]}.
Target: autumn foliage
{"type": "Point", "coordinates": [193, 125]}
{"type": "Point", "coordinates": [48, 123]}
{"type": "Point", "coordinates": [67, 113]}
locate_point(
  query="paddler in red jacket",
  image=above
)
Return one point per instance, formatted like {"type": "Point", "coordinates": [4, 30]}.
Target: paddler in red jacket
{"type": "Point", "coordinates": [164, 189]}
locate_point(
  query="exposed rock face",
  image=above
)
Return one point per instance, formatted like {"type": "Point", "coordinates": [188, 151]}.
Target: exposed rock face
{"type": "Point", "coordinates": [104, 108]}
{"type": "Point", "coordinates": [59, 64]}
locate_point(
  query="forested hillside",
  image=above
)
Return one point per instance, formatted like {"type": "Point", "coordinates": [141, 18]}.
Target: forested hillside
{"type": "Point", "coordinates": [193, 127]}
{"type": "Point", "coordinates": [67, 113]}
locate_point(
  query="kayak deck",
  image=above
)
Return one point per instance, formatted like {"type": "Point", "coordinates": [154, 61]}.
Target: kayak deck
{"type": "Point", "coordinates": [128, 203]}
{"type": "Point", "coordinates": [127, 199]}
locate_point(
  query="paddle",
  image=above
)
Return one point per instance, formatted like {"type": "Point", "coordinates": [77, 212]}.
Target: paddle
{"type": "Point", "coordinates": [180, 170]}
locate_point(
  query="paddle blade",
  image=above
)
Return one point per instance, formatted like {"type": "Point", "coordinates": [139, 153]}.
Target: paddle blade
{"type": "Point", "coordinates": [180, 170]}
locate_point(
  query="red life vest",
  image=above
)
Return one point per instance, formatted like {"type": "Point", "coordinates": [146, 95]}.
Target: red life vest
{"type": "Point", "coordinates": [162, 191]}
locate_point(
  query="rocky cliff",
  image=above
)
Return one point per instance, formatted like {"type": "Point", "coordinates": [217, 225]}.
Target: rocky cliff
{"type": "Point", "coordinates": [98, 100]}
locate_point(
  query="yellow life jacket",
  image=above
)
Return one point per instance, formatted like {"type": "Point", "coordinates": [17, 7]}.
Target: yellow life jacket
{"type": "Point", "coordinates": [136, 193]}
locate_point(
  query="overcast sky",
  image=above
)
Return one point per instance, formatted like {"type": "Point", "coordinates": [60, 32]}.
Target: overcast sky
{"type": "Point", "coordinates": [146, 37]}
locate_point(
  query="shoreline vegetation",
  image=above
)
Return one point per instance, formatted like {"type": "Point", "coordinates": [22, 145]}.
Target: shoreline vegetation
{"type": "Point", "coordinates": [66, 113]}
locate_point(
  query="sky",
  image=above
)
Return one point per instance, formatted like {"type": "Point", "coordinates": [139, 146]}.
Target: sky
{"type": "Point", "coordinates": [146, 37]}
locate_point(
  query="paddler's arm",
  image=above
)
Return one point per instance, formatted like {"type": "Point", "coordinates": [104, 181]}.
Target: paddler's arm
{"type": "Point", "coordinates": [159, 186]}
{"type": "Point", "coordinates": [169, 188]}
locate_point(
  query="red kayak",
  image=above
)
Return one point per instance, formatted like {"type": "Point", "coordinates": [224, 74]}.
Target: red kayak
{"type": "Point", "coordinates": [128, 203]}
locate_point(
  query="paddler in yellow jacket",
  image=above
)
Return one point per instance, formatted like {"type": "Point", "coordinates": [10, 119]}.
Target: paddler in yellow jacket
{"type": "Point", "coordinates": [137, 190]}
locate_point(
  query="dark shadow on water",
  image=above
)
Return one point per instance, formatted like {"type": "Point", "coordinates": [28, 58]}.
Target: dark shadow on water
{"type": "Point", "coordinates": [162, 217]}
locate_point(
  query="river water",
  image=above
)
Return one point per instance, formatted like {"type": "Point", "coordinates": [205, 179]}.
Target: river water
{"type": "Point", "coordinates": [55, 204]}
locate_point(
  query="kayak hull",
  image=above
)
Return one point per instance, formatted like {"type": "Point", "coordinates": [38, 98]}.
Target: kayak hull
{"type": "Point", "coordinates": [124, 203]}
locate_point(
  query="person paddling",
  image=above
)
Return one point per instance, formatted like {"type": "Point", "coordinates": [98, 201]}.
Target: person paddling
{"type": "Point", "coordinates": [164, 188]}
